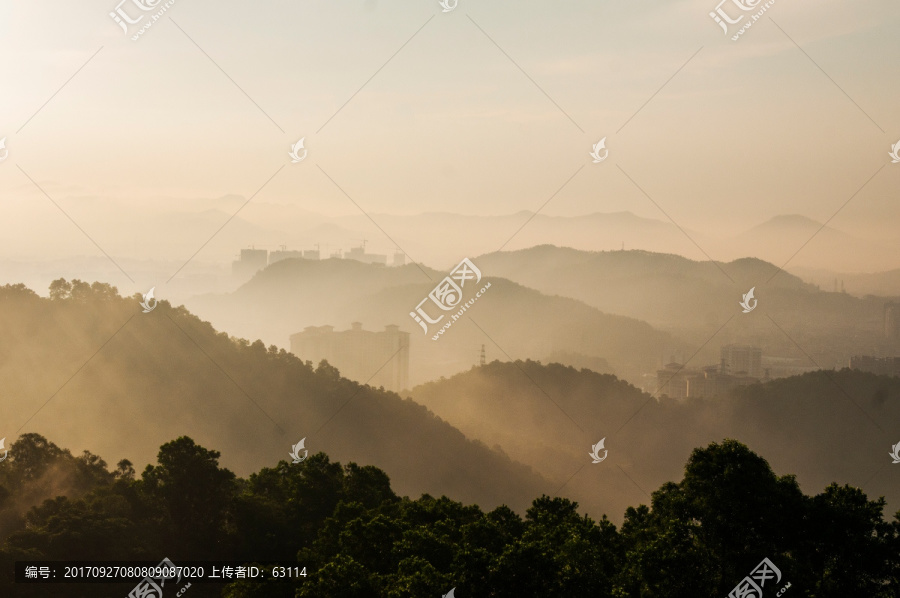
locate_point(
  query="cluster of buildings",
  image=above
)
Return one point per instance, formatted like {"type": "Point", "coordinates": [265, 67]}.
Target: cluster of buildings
{"type": "Point", "coordinates": [382, 358]}
{"type": "Point", "coordinates": [883, 366]}
{"type": "Point", "coordinates": [253, 260]}
{"type": "Point", "coordinates": [373, 358]}
{"type": "Point", "coordinates": [739, 365]}
{"type": "Point", "coordinates": [892, 323]}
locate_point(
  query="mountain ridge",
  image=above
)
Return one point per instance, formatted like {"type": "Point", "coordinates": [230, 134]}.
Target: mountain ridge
{"type": "Point", "coordinates": [141, 377]}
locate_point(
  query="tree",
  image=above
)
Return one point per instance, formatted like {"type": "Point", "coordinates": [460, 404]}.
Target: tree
{"type": "Point", "coordinates": [559, 554]}
{"type": "Point", "coordinates": [195, 492]}
{"type": "Point", "coordinates": [745, 512]}
{"type": "Point", "coordinates": [60, 289]}
{"type": "Point", "coordinates": [851, 544]}
{"type": "Point", "coordinates": [340, 577]}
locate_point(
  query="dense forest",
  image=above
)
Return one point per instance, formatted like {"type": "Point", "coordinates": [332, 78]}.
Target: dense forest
{"type": "Point", "coordinates": [699, 538]}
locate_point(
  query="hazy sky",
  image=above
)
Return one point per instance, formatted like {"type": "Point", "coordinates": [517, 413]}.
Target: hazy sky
{"type": "Point", "coordinates": [743, 131]}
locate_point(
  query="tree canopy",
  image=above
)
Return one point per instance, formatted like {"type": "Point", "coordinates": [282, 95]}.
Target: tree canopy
{"type": "Point", "coordinates": [698, 537]}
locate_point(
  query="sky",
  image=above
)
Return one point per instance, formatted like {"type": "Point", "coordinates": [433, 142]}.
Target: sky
{"type": "Point", "coordinates": [491, 108]}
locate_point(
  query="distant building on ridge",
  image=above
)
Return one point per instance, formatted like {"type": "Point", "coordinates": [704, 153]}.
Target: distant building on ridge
{"type": "Point", "coordinates": [742, 360]}
{"type": "Point", "coordinates": [359, 254]}
{"type": "Point", "coordinates": [250, 262]}
{"type": "Point", "coordinates": [883, 366]}
{"type": "Point", "coordinates": [892, 321]}
{"type": "Point", "coordinates": [284, 254]}
{"type": "Point", "coordinates": [740, 365]}
{"type": "Point", "coordinates": [253, 260]}
{"type": "Point", "coordinates": [671, 381]}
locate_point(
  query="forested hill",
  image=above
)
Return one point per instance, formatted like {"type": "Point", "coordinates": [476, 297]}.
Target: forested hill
{"type": "Point", "coordinates": [89, 369]}
{"type": "Point", "coordinates": [825, 426]}
{"type": "Point", "coordinates": [356, 538]}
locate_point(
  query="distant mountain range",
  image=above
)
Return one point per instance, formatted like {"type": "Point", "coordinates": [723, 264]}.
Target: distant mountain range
{"type": "Point", "coordinates": [514, 322]}
{"type": "Point", "coordinates": [798, 241]}
{"type": "Point", "coordinates": [789, 239]}
{"type": "Point", "coordinates": [220, 227]}
{"type": "Point", "coordinates": [694, 299]}
{"type": "Point", "coordinates": [884, 284]}
{"type": "Point", "coordinates": [632, 310]}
